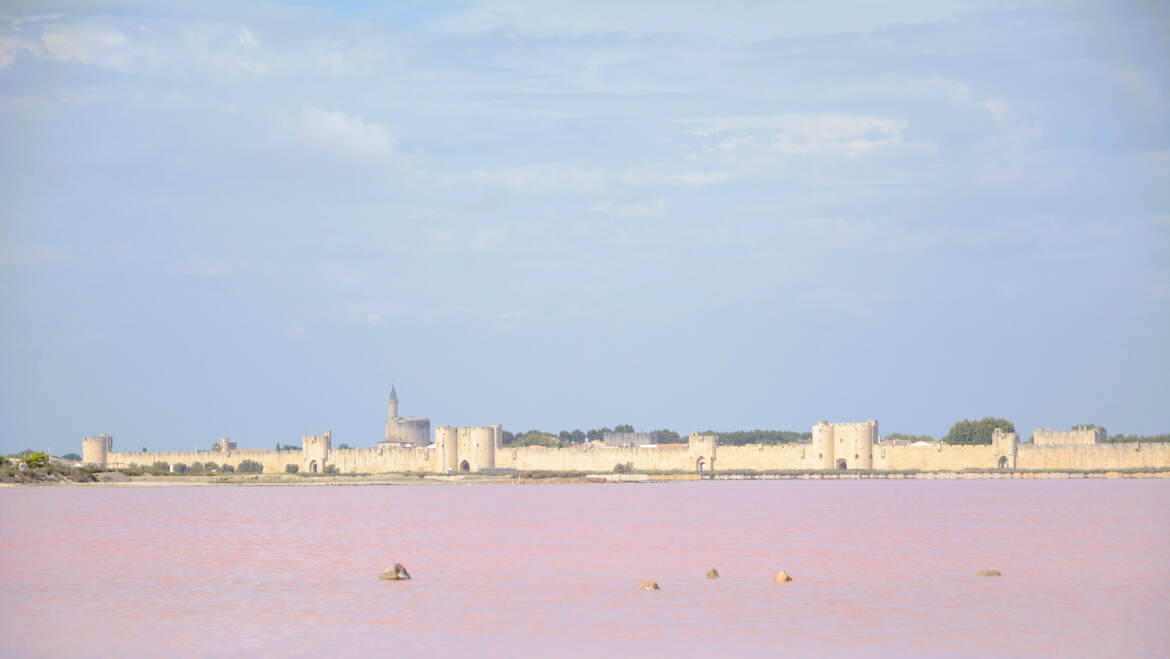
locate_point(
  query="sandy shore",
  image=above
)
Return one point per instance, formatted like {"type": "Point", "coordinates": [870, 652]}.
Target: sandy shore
{"type": "Point", "coordinates": [115, 479]}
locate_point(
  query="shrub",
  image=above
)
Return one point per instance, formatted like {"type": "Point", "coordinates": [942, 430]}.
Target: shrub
{"type": "Point", "coordinates": [4, 460]}
{"type": "Point", "coordinates": [291, 469]}
{"type": "Point", "coordinates": [623, 468]}
{"type": "Point", "coordinates": [36, 460]}
{"type": "Point", "coordinates": [227, 469]}
{"type": "Point", "coordinates": [250, 467]}
{"type": "Point", "coordinates": [210, 466]}
{"type": "Point", "coordinates": [197, 467]}
{"type": "Point", "coordinates": [160, 467]}
{"type": "Point", "coordinates": [180, 468]}
{"type": "Point", "coordinates": [331, 469]}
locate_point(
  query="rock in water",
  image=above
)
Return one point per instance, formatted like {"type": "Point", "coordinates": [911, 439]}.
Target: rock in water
{"type": "Point", "coordinates": [712, 573]}
{"type": "Point", "coordinates": [988, 573]}
{"type": "Point", "coordinates": [396, 573]}
{"type": "Point", "coordinates": [648, 585]}
{"type": "Point", "coordinates": [781, 576]}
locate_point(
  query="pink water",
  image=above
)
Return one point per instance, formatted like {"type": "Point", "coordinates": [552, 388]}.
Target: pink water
{"type": "Point", "coordinates": [881, 568]}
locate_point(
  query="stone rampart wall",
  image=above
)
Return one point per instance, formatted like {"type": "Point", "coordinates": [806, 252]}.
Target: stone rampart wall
{"type": "Point", "coordinates": [764, 457]}
{"type": "Point", "coordinates": [750, 457]}
{"type": "Point", "coordinates": [596, 458]}
{"type": "Point", "coordinates": [380, 460]}
{"type": "Point", "coordinates": [272, 461]}
{"type": "Point", "coordinates": [1122, 455]}
{"type": "Point", "coordinates": [935, 458]}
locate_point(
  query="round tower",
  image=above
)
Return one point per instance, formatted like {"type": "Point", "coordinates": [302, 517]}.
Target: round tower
{"type": "Point", "coordinates": [96, 450]}
{"type": "Point", "coordinates": [483, 440]}
{"type": "Point", "coordinates": [393, 405]}
{"type": "Point", "coordinates": [863, 442]}
{"type": "Point", "coordinates": [446, 449]}
{"type": "Point", "coordinates": [822, 445]}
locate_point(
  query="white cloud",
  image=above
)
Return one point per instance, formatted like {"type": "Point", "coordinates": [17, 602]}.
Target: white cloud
{"type": "Point", "coordinates": [11, 46]}
{"type": "Point", "coordinates": [247, 40]}
{"type": "Point", "coordinates": [93, 44]}
{"type": "Point", "coordinates": [997, 107]}
{"type": "Point", "coordinates": [652, 209]}
{"type": "Point", "coordinates": [346, 133]}
{"type": "Point", "coordinates": [842, 135]}
{"type": "Point", "coordinates": [737, 20]}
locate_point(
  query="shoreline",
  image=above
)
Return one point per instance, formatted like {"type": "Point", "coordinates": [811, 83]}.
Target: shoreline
{"type": "Point", "coordinates": [117, 479]}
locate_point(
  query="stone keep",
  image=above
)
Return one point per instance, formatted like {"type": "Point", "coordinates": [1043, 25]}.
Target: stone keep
{"type": "Point", "coordinates": [401, 431]}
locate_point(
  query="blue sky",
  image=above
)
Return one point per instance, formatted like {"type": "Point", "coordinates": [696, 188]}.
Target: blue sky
{"type": "Point", "coordinates": [250, 221]}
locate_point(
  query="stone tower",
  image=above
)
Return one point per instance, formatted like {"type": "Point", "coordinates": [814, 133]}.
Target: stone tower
{"type": "Point", "coordinates": [95, 450]}
{"type": "Point", "coordinates": [391, 413]}
{"type": "Point", "coordinates": [1006, 446]}
{"type": "Point", "coordinates": [844, 445]}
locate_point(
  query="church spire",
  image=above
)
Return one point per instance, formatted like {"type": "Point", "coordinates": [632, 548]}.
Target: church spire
{"type": "Point", "coordinates": [393, 394]}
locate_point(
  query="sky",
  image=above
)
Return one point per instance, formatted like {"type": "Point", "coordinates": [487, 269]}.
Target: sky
{"type": "Point", "coordinates": [252, 219]}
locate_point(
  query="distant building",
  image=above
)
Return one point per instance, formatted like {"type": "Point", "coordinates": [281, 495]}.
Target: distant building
{"type": "Point", "coordinates": [404, 431]}
{"type": "Point", "coordinates": [627, 439]}
{"type": "Point", "coordinates": [1050, 437]}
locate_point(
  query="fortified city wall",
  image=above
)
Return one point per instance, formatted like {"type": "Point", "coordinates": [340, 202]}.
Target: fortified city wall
{"type": "Point", "coordinates": [697, 455]}
{"type": "Point", "coordinates": [834, 446]}
{"type": "Point", "coordinates": [754, 457]}
{"type": "Point", "coordinates": [1122, 455]}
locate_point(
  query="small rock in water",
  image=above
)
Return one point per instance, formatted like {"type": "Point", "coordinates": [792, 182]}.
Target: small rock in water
{"type": "Point", "coordinates": [648, 585]}
{"type": "Point", "coordinates": [988, 573]}
{"type": "Point", "coordinates": [781, 576]}
{"type": "Point", "coordinates": [395, 573]}
{"type": "Point", "coordinates": [712, 573]}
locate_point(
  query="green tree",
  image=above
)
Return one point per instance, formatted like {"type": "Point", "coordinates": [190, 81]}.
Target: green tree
{"type": "Point", "coordinates": [909, 438]}
{"type": "Point", "coordinates": [197, 467]}
{"type": "Point", "coordinates": [160, 467]}
{"type": "Point", "coordinates": [597, 434]}
{"type": "Point", "coordinates": [250, 467]}
{"type": "Point", "coordinates": [536, 438]}
{"type": "Point", "coordinates": [287, 447]}
{"type": "Point", "coordinates": [210, 466]}
{"type": "Point", "coordinates": [976, 432]}
{"type": "Point", "coordinates": [666, 436]}
{"type": "Point", "coordinates": [291, 468]}
{"type": "Point", "coordinates": [36, 459]}
{"type": "Point", "coordinates": [343, 445]}
{"type": "Point", "coordinates": [623, 428]}
{"type": "Point", "coordinates": [180, 468]}
{"type": "Point", "coordinates": [741, 437]}
{"type": "Point", "coordinates": [226, 469]}
{"type": "Point", "coordinates": [71, 456]}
